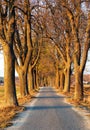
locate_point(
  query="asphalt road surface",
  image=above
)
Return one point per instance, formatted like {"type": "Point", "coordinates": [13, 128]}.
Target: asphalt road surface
{"type": "Point", "coordinates": [48, 111]}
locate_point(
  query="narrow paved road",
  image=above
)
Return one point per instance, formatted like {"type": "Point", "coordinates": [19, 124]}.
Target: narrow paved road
{"type": "Point", "coordinates": [49, 112]}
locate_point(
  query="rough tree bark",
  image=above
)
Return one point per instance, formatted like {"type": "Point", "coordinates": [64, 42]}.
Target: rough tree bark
{"type": "Point", "coordinates": [30, 78]}
{"type": "Point", "coordinates": [57, 77]}
{"type": "Point", "coordinates": [23, 83]}
{"type": "Point", "coordinates": [9, 77]}
{"type": "Point", "coordinates": [79, 61]}
{"type": "Point", "coordinates": [6, 39]}
{"type": "Point", "coordinates": [67, 79]}
{"type": "Point", "coordinates": [62, 78]}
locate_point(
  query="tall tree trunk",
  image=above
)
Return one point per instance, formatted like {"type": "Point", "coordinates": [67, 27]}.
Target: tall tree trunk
{"type": "Point", "coordinates": [30, 78]}
{"type": "Point", "coordinates": [41, 82]}
{"type": "Point", "coordinates": [57, 78]}
{"type": "Point", "coordinates": [78, 63]}
{"type": "Point", "coordinates": [27, 89]}
{"type": "Point", "coordinates": [23, 83]}
{"type": "Point", "coordinates": [67, 79]}
{"type": "Point", "coordinates": [37, 84]}
{"type": "Point", "coordinates": [9, 76]}
{"type": "Point", "coordinates": [61, 81]}
{"type": "Point", "coordinates": [34, 77]}
{"type": "Point", "coordinates": [78, 95]}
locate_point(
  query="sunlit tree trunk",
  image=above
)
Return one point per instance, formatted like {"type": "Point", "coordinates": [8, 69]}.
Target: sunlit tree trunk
{"type": "Point", "coordinates": [37, 84]}
{"type": "Point", "coordinates": [30, 78]}
{"type": "Point", "coordinates": [23, 83]}
{"type": "Point", "coordinates": [78, 65]}
{"type": "Point", "coordinates": [7, 30]}
{"type": "Point", "coordinates": [9, 76]}
{"type": "Point", "coordinates": [78, 95]}
{"type": "Point", "coordinates": [34, 78]}
{"type": "Point", "coordinates": [67, 79]}
{"type": "Point", "coordinates": [57, 78]}
{"type": "Point", "coordinates": [61, 80]}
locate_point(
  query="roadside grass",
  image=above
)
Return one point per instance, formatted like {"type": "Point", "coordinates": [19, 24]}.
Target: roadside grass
{"type": "Point", "coordinates": [8, 113]}
{"type": "Point", "coordinates": [85, 103]}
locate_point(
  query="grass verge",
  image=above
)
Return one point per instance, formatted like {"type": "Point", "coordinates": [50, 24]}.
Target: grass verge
{"type": "Point", "coordinates": [8, 113]}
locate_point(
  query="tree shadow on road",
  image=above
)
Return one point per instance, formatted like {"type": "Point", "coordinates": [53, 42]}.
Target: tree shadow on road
{"type": "Point", "coordinates": [45, 91]}
{"type": "Point", "coordinates": [33, 108]}
{"type": "Point", "coordinates": [42, 97]}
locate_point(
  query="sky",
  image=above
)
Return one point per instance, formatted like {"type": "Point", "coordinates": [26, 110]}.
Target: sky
{"type": "Point", "coordinates": [87, 68]}
{"type": "Point", "coordinates": [2, 66]}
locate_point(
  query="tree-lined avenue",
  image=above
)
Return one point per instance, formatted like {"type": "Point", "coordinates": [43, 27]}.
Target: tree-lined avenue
{"type": "Point", "coordinates": [49, 112]}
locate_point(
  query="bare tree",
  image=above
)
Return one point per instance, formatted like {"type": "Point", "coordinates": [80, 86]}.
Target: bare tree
{"type": "Point", "coordinates": [7, 30]}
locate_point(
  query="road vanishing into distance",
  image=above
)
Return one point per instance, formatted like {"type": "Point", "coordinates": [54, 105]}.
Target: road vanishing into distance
{"type": "Point", "coordinates": [48, 111]}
